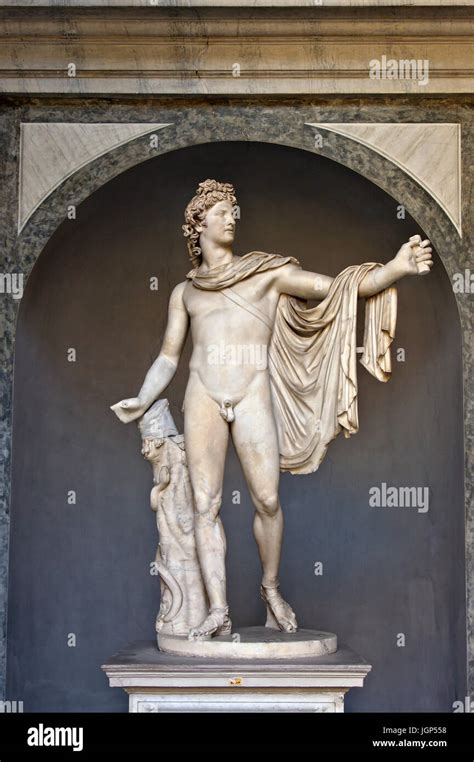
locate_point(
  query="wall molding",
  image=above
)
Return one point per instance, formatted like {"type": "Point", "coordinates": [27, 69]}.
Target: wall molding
{"type": "Point", "coordinates": [302, 50]}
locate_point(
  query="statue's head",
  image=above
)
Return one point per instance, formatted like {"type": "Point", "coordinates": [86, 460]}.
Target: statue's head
{"type": "Point", "coordinates": [211, 213]}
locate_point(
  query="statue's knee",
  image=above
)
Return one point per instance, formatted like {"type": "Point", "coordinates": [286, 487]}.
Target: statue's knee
{"type": "Point", "coordinates": [207, 506]}
{"type": "Point", "coordinates": [268, 504]}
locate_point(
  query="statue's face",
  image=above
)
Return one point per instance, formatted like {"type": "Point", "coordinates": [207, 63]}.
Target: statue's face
{"type": "Point", "coordinates": [219, 224]}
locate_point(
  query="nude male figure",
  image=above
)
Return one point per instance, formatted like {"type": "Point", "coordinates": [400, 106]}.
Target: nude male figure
{"type": "Point", "coordinates": [234, 399]}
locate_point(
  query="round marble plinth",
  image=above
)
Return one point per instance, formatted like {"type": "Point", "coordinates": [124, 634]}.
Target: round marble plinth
{"type": "Point", "coordinates": [253, 643]}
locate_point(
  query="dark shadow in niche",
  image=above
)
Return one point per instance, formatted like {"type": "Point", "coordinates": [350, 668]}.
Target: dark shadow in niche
{"type": "Point", "coordinates": [82, 569]}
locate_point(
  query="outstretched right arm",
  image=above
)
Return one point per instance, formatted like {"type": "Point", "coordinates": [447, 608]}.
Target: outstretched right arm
{"type": "Point", "coordinates": [165, 365]}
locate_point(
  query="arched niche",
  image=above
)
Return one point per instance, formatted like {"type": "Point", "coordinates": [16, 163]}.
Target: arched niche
{"type": "Point", "coordinates": [89, 291]}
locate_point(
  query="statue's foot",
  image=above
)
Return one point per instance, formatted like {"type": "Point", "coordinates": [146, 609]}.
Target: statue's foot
{"type": "Point", "coordinates": [280, 615]}
{"type": "Point", "coordinates": [217, 622]}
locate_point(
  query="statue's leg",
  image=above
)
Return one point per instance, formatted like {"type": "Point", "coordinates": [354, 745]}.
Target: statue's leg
{"type": "Point", "coordinates": [206, 436]}
{"type": "Point", "coordinates": [255, 439]}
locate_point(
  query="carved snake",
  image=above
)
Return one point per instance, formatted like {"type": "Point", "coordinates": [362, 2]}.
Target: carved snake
{"type": "Point", "coordinates": [165, 574]}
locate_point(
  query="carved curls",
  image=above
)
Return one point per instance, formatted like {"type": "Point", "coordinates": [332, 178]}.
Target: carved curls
{"type": "Point", "coordinates": [208, 193]}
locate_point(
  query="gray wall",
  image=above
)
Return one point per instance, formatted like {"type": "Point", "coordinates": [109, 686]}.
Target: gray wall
{"type": "Point", "coordinates": [83, 568]}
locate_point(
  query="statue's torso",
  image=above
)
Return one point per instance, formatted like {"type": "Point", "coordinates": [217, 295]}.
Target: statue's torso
{"type": "Point", "coordinates": [229, 342]}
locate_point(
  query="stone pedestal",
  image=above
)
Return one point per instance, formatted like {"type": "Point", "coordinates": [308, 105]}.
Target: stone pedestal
{"type": "Point", "coordinates": [159, 682]}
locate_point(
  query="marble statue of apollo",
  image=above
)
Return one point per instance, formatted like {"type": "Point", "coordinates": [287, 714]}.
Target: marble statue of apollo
{"type": "Point", "coordinates": [281, 413]}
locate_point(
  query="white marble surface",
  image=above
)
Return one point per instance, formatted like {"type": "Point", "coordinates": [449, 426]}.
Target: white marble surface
{"type": "Point", "coordinates": [183, 601]}
{"type": "Point", "coordinates": [253, 643]}
{"type": "Point", "coordinates": [275, 701]}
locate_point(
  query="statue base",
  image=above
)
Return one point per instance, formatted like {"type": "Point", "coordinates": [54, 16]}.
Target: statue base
{"type": "Point", "coordinates": [252, 643]}
{"type": "Point", "coordinates": [159, 682]}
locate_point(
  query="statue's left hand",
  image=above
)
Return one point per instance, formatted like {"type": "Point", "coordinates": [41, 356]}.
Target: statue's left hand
{"type": "Point", "coordinates": [415, 256]}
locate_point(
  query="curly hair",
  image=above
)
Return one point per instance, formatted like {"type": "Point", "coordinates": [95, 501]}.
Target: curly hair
{"type": "Point", "coordinates": [208, 193]}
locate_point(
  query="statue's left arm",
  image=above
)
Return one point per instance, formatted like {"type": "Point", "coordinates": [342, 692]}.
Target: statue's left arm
{"type": "Point", "coordinates": [407, 261]}
{"type": "Point", "coordinates": [307, 285]}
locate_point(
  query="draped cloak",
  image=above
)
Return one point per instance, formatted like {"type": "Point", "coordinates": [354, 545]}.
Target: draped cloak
{"type": "Point", "coordinates": [312, 354]}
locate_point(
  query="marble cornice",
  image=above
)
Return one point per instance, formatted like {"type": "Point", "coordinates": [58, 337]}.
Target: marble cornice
{"type": "Point", "coordinates": [282, 51]}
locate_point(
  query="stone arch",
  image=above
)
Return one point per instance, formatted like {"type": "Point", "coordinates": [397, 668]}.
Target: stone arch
{"type": "Point", "coordinates": [341, 149]}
